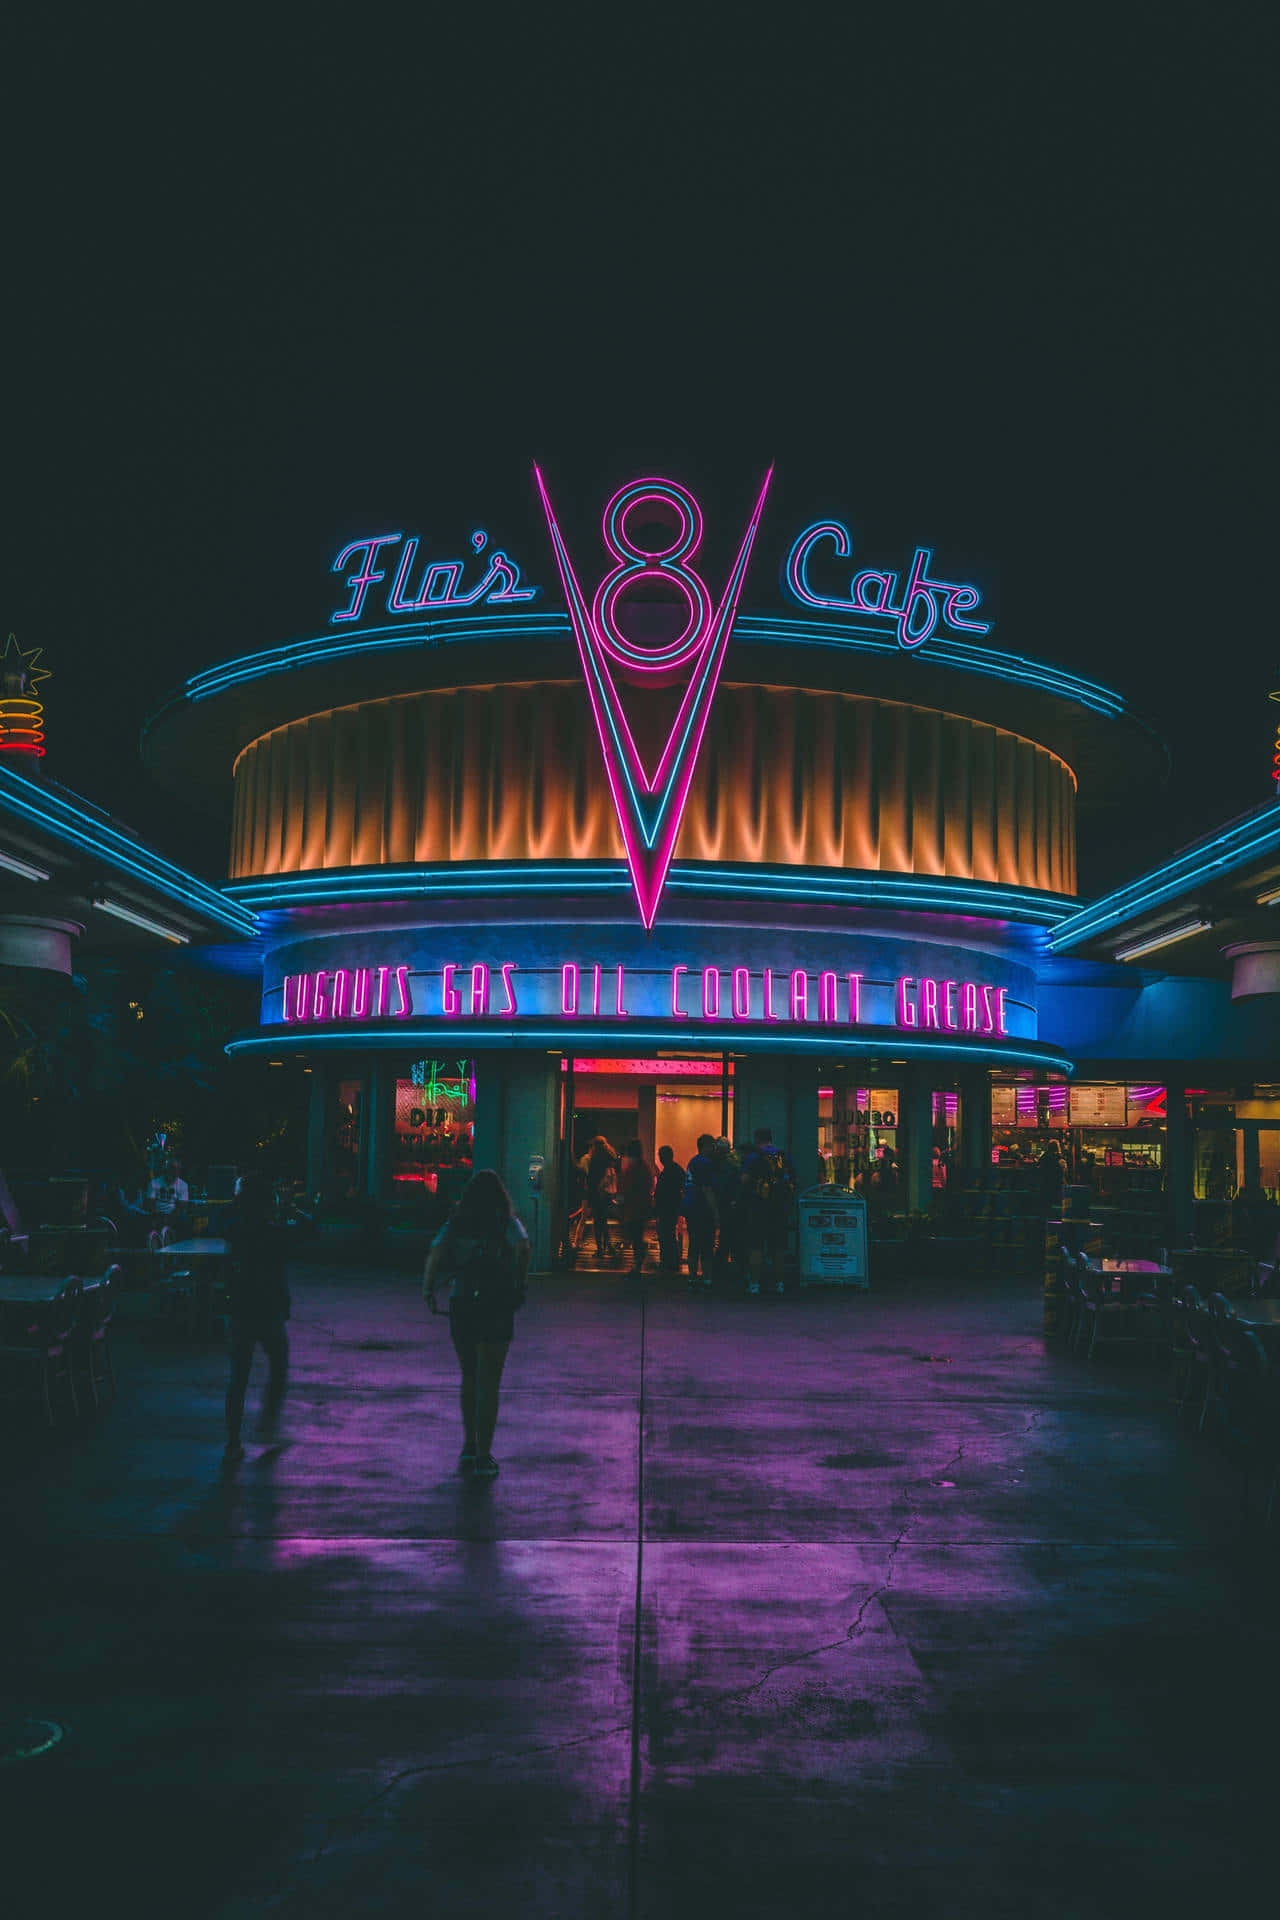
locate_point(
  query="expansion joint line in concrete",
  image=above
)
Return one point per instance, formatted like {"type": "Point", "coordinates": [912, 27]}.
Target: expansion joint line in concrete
{"type": "Point", "coordinates": [633, 1797]}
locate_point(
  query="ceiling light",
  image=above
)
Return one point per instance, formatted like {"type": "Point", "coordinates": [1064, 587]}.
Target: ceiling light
{"type": "Point", "coordinates": [140, 920]}
{"type": "Point", "coordinates": [22, 867]}
{"type": "Point", "coordinates": [1164, 939]}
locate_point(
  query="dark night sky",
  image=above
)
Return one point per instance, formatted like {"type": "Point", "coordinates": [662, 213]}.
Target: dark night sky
{"type": "Point", "coordinates": [1001, 293]}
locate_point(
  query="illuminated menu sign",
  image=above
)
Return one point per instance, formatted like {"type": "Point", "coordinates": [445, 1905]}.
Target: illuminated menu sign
{"type": "Point", "coordinates": [1098, 1106]}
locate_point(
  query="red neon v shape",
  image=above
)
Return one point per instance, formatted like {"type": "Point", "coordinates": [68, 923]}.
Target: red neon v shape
{"type": "Point", "coordinates": [650, 808]}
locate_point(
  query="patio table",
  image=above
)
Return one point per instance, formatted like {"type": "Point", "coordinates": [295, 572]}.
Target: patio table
{"type": "Point", "coordinates": [1263, 1318]}
{"type": "Point", "coordinates": [31, 1289]}
{"type": "Point", "coordinates": [1130, 1277]}
{"type": "Point", "coordinates": [204, 1257]}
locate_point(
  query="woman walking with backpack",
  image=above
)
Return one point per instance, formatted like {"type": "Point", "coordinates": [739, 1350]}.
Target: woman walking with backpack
{"type": "Point", "coordinates": [482, 1251]}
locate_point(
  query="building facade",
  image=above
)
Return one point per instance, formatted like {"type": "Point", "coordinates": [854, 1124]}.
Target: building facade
{"type": "Point", "coordinates": [653, 848]}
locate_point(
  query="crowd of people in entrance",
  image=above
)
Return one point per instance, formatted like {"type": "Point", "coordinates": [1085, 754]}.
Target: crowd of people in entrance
{"type": "Point", "coordinates": [735, 1206]}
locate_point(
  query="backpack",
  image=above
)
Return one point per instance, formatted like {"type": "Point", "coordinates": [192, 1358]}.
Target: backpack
{"type": "Point", "coordinates": [698, 1201]}
{"type": "Point", "coordinates": [486, 1275]}
{"type": "Point", "coordinates": [772, 1181]}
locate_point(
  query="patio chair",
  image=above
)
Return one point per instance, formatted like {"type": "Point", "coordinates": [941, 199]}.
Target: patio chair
{"type": "Point", "coordinates": [1251, 1412]}
{"type": "Point", "coordinates": [36, 1344]}
{"type": "Point", "coordinates": [1181, 1352]}
{"type": "Point", "coordinates": [1197, 1326]}
{"type": "Point", "coordinates": [1223, 1334]}
{"type": "Point", "coordinates": [1113, 1322]}
{"type": "Point", "coordinates": [92, 1344]}
{"type": "Point", "coordinates": [1077, 1278]}
{"type": "Point", "coordinates": [1070, 1295]}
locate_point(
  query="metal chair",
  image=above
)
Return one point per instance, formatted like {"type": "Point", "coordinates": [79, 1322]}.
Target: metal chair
{"type": "Point", "coordinates": [1112, 1320]}
{"type": "Point", "coordinates": [38, 1337]}
{"type": "Point", "coordinates": [1181, 1352]}
{"type": "Point", "coordinates": [92, 1347]}
{"type": "Point", "coordinates": [1222, 1349]}
{"type": "Point", "coordinates": [1250, 1409]}
{"type": "Point", "coordinates": [1070, 1295]}
{"type": "Point", "coordinates": [1198, 1327]}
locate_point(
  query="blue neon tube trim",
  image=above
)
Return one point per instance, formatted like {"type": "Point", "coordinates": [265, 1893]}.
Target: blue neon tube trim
{"type": "Point", "coordinates": [1165, 883]}
{"type": "Point", "coordinates": [773, 629]}
{"type": "Point", "coordinates": [574, 1036]}
{"type": "Point", "coordinates": [947, 652]}
{"type": "Point", "coordinates": [49, 810]}
{"type": "Point", "coordinates": [891, 890]}
{"type": "Point", "coordinates": [418, 633]}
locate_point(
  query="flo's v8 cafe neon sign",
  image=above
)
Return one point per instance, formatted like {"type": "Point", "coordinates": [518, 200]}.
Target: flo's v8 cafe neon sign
{"type": "Point", "coordinates": [590, 991]}
{"type": "Point", "coordinates": [650, 791]}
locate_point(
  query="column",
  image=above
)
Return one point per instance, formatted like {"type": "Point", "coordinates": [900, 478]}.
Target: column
{"type": "Point", "coordinates": [317, 1107]}
{"type": "Point", "coordinates": [781, 1093]}
{"type": "Point", "coordinates": [1178, 1171]}
{"type": "Point", "coordinates": [918, 1152]}
{"type": "Point", "coordinates": [517, 1116]}
{"type": "Point", "coordinates": [376, 1146]}
{"type": "Point", "coordinates": [975, 1124]}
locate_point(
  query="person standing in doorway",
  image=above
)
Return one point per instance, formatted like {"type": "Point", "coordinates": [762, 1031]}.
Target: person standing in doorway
{"type": "Point", "coordinates": [768, 1194]}
{"type": "Point", "coordinates": [258, 1299]}
{"type": "Point", "coordinates": [600, 1166]}
{"type": "Point", "coordinates": [482, 1251]}
{"type": "Point", "coordinates": [668, 1199]}
{"type": "Point", "coordinates": [701, 1213]}
{"type": "Point", "coordinates": [636, 1203]}
{"type": "Point", "coordinates": [726, 1181]}
{"type": "Point", "coordinates": [885, 1183]}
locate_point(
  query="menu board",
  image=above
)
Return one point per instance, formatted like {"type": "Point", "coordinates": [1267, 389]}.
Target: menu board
{"type": "Point", "coordinates": [1004, 1106]}
{"type": "Point", "coordinates": [1097, 1106]}
{"type": "Point", "coordinates": [833, 1236]}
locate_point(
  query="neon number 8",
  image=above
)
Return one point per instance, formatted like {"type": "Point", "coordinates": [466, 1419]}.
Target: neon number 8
{"type": "Point", "coordinates": [665, 564]}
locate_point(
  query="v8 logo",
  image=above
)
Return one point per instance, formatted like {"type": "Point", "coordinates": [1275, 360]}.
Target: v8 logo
{"type": "Point", "coordinates": [650, 802]}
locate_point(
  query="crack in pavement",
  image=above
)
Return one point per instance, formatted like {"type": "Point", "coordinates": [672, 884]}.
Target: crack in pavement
{"type": "Point", "coordinates": [361, 1813]}
{"type": "Point", "coordinates": [856, 1628]}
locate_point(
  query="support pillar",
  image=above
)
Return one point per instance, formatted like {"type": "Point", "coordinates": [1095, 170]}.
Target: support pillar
{"type": "Point", "coordinates": [1178, 1171]}
{"type": "Point", "coordinates": [919, 1144]}
{"type": "Point", "coordinates": [782, 1094]}
{"type": "Point", "coordinates": [316, 1110]}
{"type": "Point", "coordinates": [517, 1119]}
{"type": "Point", "coordinates": [975, 1125]}
{"type": "Point", "coordinates": [378, 1127]}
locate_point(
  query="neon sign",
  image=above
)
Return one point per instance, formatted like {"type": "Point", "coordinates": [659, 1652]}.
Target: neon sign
{"type": "Point", "coordinates": [436, 588]}
{"type": "Point", "coordinates": [650, 804]}
{"type": "Point", "coordinates": [578, 990]}
{"type": "Point", "coordinates": [21, 714]}
{"type": "Point", "coordinates": [358, 993]}
{"type": "Point", "coordinates": [915, 615]}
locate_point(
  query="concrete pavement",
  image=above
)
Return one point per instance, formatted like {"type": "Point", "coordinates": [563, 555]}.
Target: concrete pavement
{"type": "Point", "coordinates": [813, 1606]}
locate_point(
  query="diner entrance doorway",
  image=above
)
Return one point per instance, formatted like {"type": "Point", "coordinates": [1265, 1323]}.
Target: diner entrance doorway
{"type": "Point", "coordinates": [608, 1104]}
